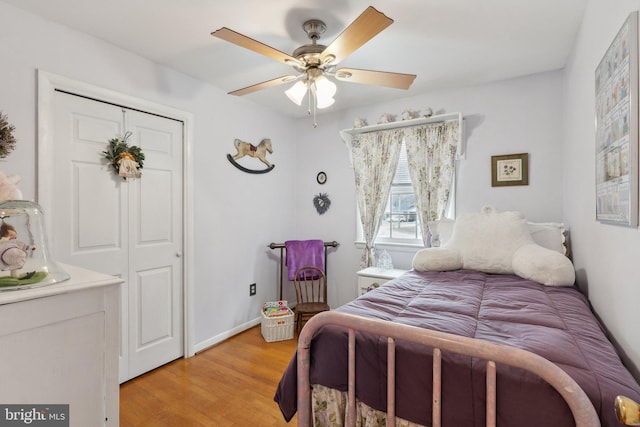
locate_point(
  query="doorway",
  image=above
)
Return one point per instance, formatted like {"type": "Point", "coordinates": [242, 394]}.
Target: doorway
{"type": "Point", "coordinates": [133, 229]}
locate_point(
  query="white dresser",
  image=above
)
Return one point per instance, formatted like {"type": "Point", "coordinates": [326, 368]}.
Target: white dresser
{"type": "Point", "coordinates": [59, 344]}
{"type": "Point", "coordinates": [373, 277]}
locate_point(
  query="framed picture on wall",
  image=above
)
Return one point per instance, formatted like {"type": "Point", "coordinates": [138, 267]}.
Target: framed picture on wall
{"type": "Point", "coordinates": [616, 84]}
{"type": "Point", "coordinates": [510, 169]}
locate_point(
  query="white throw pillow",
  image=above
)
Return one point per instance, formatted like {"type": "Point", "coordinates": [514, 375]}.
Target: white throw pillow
{"type": "Point", "coordinates": [497, 242]}
{"type": "Point", "coordinates": [544, 266]}
{"type": "Point", "coordinates": [437, 259]}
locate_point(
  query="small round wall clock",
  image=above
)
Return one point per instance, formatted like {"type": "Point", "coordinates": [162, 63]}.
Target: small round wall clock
{"type": "Point", "coordinates": [321, 178]}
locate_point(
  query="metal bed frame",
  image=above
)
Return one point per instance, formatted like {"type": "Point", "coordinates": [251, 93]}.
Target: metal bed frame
{"type": "Point", "coordinates": [581, 407]}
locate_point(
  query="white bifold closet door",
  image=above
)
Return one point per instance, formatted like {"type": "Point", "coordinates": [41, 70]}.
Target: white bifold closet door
{"type": "Point", "coordinates": [130, 229]}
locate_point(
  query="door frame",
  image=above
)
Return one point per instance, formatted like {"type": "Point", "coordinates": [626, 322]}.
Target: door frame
{"type": "Point", "coordinates": [48, 83]}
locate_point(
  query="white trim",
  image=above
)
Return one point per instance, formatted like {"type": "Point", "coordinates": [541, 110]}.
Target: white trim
{"type": "Point", "coordinates": [394, 246]}
{"type": "Point", "coordinates": [226, 335]}
{"type": "Point", "coordinates": [47, 84]}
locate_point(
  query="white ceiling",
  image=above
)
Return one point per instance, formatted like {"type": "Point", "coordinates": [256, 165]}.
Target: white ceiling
{"type": "Point", "coordinates": [445, 43]}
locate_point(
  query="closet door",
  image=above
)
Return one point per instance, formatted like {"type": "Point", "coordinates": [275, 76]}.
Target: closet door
{"type": "Point", "coordinates": [130, 229]}
{"type": "Point", "coordinates": [155, 244]}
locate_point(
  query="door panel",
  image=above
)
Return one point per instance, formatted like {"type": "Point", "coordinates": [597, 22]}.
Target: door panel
{"type": "Point", "coordinates": [154, 288]}
{"type": "Point", "coordinates": [155, 209]}
{"type": "Point", "coordinates": [130, 229]}
{"type": "Point", "coordinates": [95, 198]}
{"type": "Point", "coordinates": [155, 313]}
{"type": "Point", "coordinates": [89, 204]}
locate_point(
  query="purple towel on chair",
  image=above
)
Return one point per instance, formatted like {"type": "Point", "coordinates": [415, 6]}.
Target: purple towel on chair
{"type": "Point", "coordinates": [302, 253]}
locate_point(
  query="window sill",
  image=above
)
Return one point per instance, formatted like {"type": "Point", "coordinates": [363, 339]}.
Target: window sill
{"type": "Point", "coordinates": [393, 246]}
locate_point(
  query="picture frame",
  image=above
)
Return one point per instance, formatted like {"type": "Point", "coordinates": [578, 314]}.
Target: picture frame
{"type": "Point", "coordinates": [616, 135]}
{"type": "Point", "coordinates": [510, 169]}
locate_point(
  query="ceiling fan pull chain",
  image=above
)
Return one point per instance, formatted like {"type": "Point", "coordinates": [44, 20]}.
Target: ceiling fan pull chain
{"type": "Point", "coordinates": [309, 99]}
{"type": "Point", "coordinates": [315, 104]}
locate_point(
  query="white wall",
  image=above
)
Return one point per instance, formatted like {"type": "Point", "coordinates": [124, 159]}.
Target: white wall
{"type": "Point", "coordinates": [513, 116]}
{"type": "Point", "coordinates": [605, 256]}
{"type": "Point", "coordinates": [236, 214]}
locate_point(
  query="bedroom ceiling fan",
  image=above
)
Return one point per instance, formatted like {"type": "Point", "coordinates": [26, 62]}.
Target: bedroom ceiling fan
{"type": "Point", "coordinates": [314, 62]}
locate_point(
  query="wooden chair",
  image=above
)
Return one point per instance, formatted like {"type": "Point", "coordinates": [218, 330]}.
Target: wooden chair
{"type": "Point", "coordinates": [311, 294]}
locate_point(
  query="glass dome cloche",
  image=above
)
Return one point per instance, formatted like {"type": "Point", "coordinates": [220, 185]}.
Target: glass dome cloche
{"type": "Point", "coordinates": [25, 261]}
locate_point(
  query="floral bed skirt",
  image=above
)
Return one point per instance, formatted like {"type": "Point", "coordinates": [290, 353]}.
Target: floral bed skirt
{"type": "Point", "coordinates": [330, 409]}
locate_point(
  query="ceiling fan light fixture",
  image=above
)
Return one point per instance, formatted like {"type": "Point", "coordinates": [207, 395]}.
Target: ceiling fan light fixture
{"type": "Point", "coordinates": [324, 102]}
{"type": "Point", "coordinates": [297, 92]}
{"type": "Point", "coordinates": [323, 89]}
{"type": "Point", "coordinates": [314, 62]}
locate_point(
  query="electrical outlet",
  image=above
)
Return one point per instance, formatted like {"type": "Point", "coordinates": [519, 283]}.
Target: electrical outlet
{"type": "Point", "coordinates": [252, 289]}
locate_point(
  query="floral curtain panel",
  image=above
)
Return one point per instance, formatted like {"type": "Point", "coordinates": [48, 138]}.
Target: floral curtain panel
{"type": "Point", "coordinates": [431, 154]}
{"type": "Point", "coordinates": [375, 158]}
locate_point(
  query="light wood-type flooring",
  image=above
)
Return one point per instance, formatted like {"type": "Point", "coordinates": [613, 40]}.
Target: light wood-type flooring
{"type": "Point", "coordinates": [229, 384]}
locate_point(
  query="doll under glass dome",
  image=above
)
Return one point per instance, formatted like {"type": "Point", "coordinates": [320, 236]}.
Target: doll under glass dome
{"type": "Point", "coordinates": [25, 261]}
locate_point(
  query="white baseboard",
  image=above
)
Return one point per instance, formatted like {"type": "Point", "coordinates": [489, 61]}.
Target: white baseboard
{"type": "Point", "coordinates": [226, 335]}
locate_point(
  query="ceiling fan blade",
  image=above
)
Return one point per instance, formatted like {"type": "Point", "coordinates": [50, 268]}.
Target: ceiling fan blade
{"type": "Point", "coordinates": [363, 29]}
{"type": "Point", "coordinates": [264, 85]}
{"type": "Point", "coordinates": [236, 38]}
{"type": "Point", "coordinates": [378, 78]}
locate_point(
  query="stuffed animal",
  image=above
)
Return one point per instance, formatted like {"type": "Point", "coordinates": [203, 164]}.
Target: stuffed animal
{"type": "Point", "coordinates": [359, 123]}
{"type": "Point", "coordinates": [408, 115]}
{"type": "Point", "coordinates": [13, 252]}
{"type": "Point", "coordinates": [386, 118]}
{"type": "Point", "coordinates": [500, 243]}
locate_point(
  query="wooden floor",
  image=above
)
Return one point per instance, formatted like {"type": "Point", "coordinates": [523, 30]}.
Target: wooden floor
{"type": "Point", "coordinates": [230, 384]}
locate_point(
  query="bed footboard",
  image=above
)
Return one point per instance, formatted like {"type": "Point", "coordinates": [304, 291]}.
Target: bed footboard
{"type": "Point", "coordinates": [583, 411]}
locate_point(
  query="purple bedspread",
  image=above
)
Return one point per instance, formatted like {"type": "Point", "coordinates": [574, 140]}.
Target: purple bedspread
{"type": "Point", "coordinates": [556, 323]}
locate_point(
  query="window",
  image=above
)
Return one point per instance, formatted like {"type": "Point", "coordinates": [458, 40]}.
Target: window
{"type": "Point", "coordinates": [434, 140]}
{"type": "Point", "coordinates": [400, 223]}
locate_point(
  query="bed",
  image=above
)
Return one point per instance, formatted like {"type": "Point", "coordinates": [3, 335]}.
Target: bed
{"type": "Point", "coordinates": [554, 322]}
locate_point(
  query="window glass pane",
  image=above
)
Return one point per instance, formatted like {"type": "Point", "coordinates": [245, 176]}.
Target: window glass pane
{"type": "Point", "coordinates": [399, 221]}
{"type": "Point", "coordinates": [402, 171]}
{"type": "Point", "coordinates": [400, 215]}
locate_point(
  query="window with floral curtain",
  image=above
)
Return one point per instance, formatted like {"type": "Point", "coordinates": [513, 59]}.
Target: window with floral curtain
{"type": "Point", "coordinates": [429, 162]}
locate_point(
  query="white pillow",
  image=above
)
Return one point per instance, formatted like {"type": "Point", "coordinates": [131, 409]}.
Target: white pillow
{"type": "Point", "coordinates": [542, 265]}
{"type": "Point", "coordinates": [551, 235]}
{"type": "Point", "coordinates": [497, 242]}
{"type": "Point", "coordinates": [437, 259]}
{"type": "Point", "coordinates": [487, 241]}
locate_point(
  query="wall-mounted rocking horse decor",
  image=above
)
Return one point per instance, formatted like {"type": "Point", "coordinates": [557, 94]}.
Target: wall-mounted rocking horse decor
{"type": "Point", "coordinates": [247, 149]}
